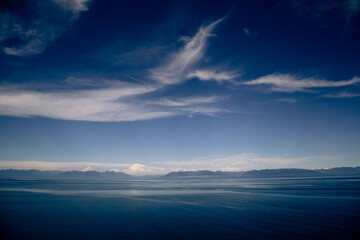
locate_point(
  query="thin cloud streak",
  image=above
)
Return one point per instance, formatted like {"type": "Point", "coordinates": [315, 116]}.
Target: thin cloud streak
{"type": "Point", "coordinates": [181, 63]}
{"type": "Point", "coordinates": [188, 101]}
{"type": "Point", "coordinates": [105, 101]}
{"type": "Point", "coordinates": [293, 83]}
{"type": "Point", "coordinates": [210, 75]}
{"type": "Point", "coordinates": [102, 104]}
{"type": "Point", "coordinates": [242, 162]}
{"type": "Point", "coordinates": [204, 110]}
{"type": "Point", "coordinates": [112, 100]}
{"type": "Point", "coordinates": [238, 162]}
{"type": "Point", "coordinates": [200, 105]}
{"type": "Point", "coordinates": [342, 95]}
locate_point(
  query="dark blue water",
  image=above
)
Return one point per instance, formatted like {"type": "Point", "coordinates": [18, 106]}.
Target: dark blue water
{"type": "Point", "coordinates": [307, 208]}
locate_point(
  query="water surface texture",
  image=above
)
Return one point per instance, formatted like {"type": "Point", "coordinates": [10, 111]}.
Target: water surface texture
{"type": "Point", "coordinates": [297, 208]}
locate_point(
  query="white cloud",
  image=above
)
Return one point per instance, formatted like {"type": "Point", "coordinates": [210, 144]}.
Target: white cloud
{"type": "Point", "coordinates": [85, 99]}
{"type": "Point", "coordinates": [37, 29]}
{"type": "Point", "coordinates": [286, 100]}
{"type": "Point", "coordinates": [140, 169]}
{"type": "Point", "coordinates": [87, 169]}
{"type": "Point", "coordinates": [132, 169]}
{"type": "Point", "coordinates": [342, 95]}
{"type": "Point", "coordinates": [209, 75]}
{"type": "Point", "coordinates": [85, 82]}
{"type": "Point", "coordinates": [61, 166]}
{"type": "Point", "coordinates": [115, 170]}
{"type": "Point", "coordinates": [188, 101]}
{"type": "Point", "coordinates": [200, 105]}
{"type": "Point", "coordinates": [111, 103]}
{"type": "Point", "coordinates": [204, 110]}
{"type": "Point", "coordinates": [105, 101]}
{"type": "Point", "coordinates": [75, 6]}
{"type": "Point", "coordinates": [293, 83]}
{"type": "Point", "coordinates": [180, 63]}
{"type": "Point", "coordinates": [238, 162]}
{"type": "Point", "coordinates": [244, 161]}
{"type": "Point", "coordinates": [32, 47]}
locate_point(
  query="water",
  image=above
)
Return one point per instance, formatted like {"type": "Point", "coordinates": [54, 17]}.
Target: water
{"type": "Point", "coordinates": [301, 208]}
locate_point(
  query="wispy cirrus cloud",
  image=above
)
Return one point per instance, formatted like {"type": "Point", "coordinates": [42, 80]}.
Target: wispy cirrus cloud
{"type": "Point", "coordinates": [179, 64]}
{"type": "Point", "coordinates": [105, 101]}
{"type": "Point", "coordinates": [85, 99]}
{"type": "Point", "coordinates": [293, 83]}
{"type": "Point", "coordinates": [211, 75]}
{"type": "Point", "coordinates": [199, 105]}
{"type": "Point", "coordinates": [342, 95]}
{"type": "Point", "coordinates": [188, 101]}
{"type": "Point", "coordinates": [204, 110]}
{"type": "Point", "coordinates": [28, 33]}
{"type": "Point", "coordinates": [110, 103]}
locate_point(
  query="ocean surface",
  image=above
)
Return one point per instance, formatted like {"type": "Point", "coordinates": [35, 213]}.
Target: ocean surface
{"type": "Point", "coordinates": [292, 208]}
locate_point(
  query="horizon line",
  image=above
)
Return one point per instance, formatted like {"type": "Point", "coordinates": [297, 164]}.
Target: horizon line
{"type": "Point", "coordinates": [160, 174]}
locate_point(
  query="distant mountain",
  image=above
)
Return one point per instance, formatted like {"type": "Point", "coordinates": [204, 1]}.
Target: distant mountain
{"type": "Point", "coordinates": [27, 174]}
{"type": "Point", "coordinates": [197, 174]}
{"type": "Point", "coordinates": [204, 174]}
{"type": "Point", "coordinates": [93, 175]}
{"type": "Point", "coordinates": [266, 173]}
{"type": "Point", "coordinates": [340, 171]}
{"type": "Point", "coordinates": [278, 173]}
{"type": "Point", "coordinates": [59, 175]}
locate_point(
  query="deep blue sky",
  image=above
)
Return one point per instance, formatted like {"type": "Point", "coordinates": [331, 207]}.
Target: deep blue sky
{"type": "Point", "coordinates": [152, 86]}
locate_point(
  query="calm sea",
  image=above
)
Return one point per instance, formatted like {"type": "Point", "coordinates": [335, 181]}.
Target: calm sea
{"type": "Point", "coordinates": [301, 208]}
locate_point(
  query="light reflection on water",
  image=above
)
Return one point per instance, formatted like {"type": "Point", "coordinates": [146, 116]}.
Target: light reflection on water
{"type": "Point", "coordinates": [346, 187]}
{"type": "Point", "coordinates": [297, 208]}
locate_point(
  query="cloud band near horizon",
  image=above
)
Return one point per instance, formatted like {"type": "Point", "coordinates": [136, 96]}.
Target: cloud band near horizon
{"type": "Point", "coordinates": [239, 162]}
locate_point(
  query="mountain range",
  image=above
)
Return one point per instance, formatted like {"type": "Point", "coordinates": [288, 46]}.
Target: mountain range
{"type": "Point", "coordinates": [60, 175]}
{"type": "Point", "coordinates": [110, 175]}
{"type": "Point", "coordinates": [266, 173]}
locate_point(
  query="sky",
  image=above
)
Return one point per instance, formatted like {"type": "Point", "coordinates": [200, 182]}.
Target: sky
{"type": "Point", "coordinates": [148, 87]}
